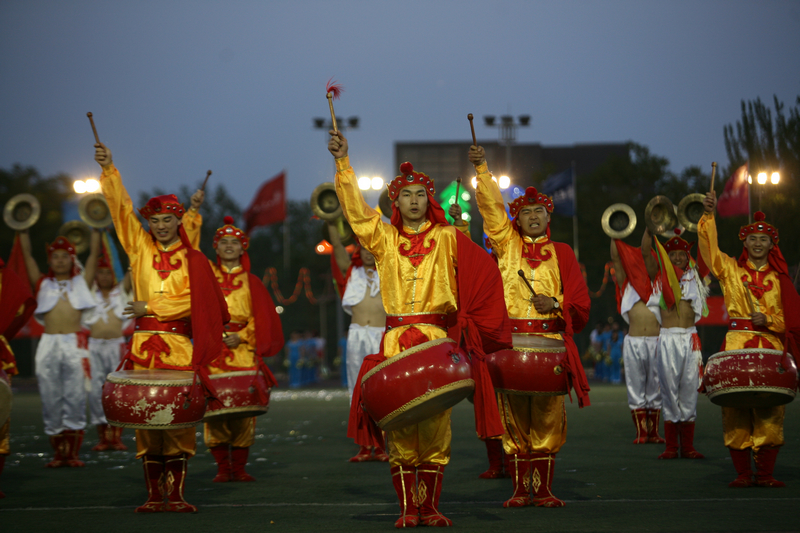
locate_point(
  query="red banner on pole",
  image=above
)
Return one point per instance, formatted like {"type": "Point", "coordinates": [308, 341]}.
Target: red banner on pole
{"type": "Point", "coordinates": [735, 199]}
{"type": "Point", "coordinates": [269, 204]}
{"type": "Point", "coordinates": [717, 312]}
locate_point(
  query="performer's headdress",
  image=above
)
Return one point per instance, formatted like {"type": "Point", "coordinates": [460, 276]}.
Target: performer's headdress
{"type": "Point", "coordinates": [229, 230]}
{"type": "Point", "coordinates": [759, 226]}
{"type": "Point", "coordinates": [531, 197]}
{"type": "Point", "coordinates": [164, 204]}
{"type": "Point", "coordinates": [62, 243]}
{"type": "Point", "coordinates": [676, 243]}
{"type": "Point", "coordinates": [408, 177]}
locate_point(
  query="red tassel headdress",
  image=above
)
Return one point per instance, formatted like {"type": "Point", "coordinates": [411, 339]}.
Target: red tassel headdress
{"type": "Point", "coordinates": [160, 205]}
{"type": "Point", "coordinates": [759, 226]}
{"type": "Point", "coordinates": [531, 197]}
{"type": "Point", "coordinates": [229, 230]}
{"type": "Point", "coordinates": [408, 176]}
{"type": "Point", "coordinates": [677, 243]}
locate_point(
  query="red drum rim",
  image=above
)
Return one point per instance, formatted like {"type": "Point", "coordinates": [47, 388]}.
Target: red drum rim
{"type": "Point", "coordinates": [538, 350]}
{"type": "Point", "coordinates": [176, 378]}
{"type": "Point", "coordinates": [784, 393]}
{"type": "Point", "coordinates": [403, 354]}
{"type": "Point", "coordinates": [557, 370]}
{"type": "Point", "coordinates": [745, 351]}
{"type": "Point", "coordinates": [233, 374]}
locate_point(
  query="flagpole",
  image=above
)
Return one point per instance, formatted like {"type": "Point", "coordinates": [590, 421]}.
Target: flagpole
{"type": "Point", "coordinates": [749, 208]}
{"type": "Point", "coordinates": [286, 241]}
{"type": "Point", "coordinates": [575, 213]}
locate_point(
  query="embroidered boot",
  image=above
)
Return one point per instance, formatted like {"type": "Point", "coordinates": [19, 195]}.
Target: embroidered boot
{"type": "Point", "coordinates": [542, 466]}
{"type": "Point", "coordinates": [116, 439]}
{"type": "Point", "coordinates": [687, 441]}
{"type": "Point", "coordinates": [58, 445]}
{"type": "Point", "coordinates": [74, 439]}
{"type": "Point", "coordinates": [380, 455]}
{"type": "Point", "coordinates": [363, 455]}
{"type": "Point", "coordinates": [154, 479]}
{"type": "Point", "coordinates": [238, 462]}
{"type": "Point", "coordinates": [222, 456]}
{"type": "Point", "coordinates": [653, 416]}
{"type": "Point", "coordinates": [521, 480]}
{"type": "Point", "coordinates": [494, 450]}
{"type": "Point", "coordinates": [741, 462]}
{"type": "Point", "coordinates": [671, 433]}
{"type": "Point", "coordinates": [103, 441]}
{"type": "Point", "coordinates": [765, 464]}
{"type": "Point", "coordinates": [429, 488]}
{"type": "Point", "coordinates": [640, 421]}
{"type": "Point", "coordinates": [404, 479]}
{"type": "Point", "coordinates": [175, 467]}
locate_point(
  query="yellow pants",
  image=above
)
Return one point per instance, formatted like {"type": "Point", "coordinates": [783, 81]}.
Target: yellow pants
{"type": "Point", "coordinates": [239, 432]}
{"type": "Point", "coordinates": [532, 423]}
{"type": "Point", "coordinates": [5, 446]}
{"type": "Point", "coordinates": [753, 428]}
{"type": "Point", "coordinates": [425, 443]}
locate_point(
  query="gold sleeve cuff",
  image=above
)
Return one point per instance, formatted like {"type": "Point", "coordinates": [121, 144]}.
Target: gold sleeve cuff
{"type": "Point", "coordinates": [342, 163]}
{"type": "Point", "coordinates": [483, 168]}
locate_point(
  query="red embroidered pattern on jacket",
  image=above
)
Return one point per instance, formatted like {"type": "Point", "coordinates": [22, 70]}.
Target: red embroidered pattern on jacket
{"type": "Point", "coordinates": [162, 263]}
{"type": "Point", "coordinates": [756, 282]}
{"type": "Point", "coordinates": [533, 253]}
{"type": "Point", "coordinates": [416, 249]}
{"type": "Point", "coordinates": [228, 283]}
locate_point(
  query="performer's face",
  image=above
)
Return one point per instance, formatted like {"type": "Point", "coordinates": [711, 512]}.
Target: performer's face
{"type": "Point", "coordinates": [229, 248]}
{"type": "Point", "coordinates": [412, 203]}
{"type": "Point", "coordinates": [165, 228]}
{"type": "Point", "coordinates": [60, 262]}
{"type": "Point", "coordinates": [105, 278]}
{"type": "Point", "coordinates": [533, 220]}
{"type": "Point", "coordinates": [758, 245]}
{"type": "Point", "coordinates": [679, 258]}
{"type": "Point", "coordinates": [366, 257]}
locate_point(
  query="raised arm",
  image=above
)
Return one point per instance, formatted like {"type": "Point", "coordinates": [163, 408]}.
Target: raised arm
{"type": "Point", "coordinates": [34, 274]}
{"type": "Point", "coordinates": [650, 262]}
{"type": "Point", "coordinates": [192, 220]}
{"type": "Point", "coordinates": [619, 272]}
{"type": "Point", "coordinates": [129, 229]}
{"type": "Point", "coordinates": [719, 263]}
{"type": "Point", "coordinates": [339, 251]}
{"type": "Point", "coordinates": [94, 255]}
{"type": "Point", "coordinates": [490, 201]}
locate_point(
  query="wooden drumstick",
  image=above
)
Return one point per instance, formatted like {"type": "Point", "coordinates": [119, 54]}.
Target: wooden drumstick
{"type": "Point", "coordinates": [472, 128]}
{"type": "Point", "coordinates": [458, 186]}
{"type": "Point", "coordinates": [749, 296]}
{"type": "Point", "coordinates": [713, 172]}
{"type": "Point", "coordinates": [94, 130]}
{"type": "Point", "coordinates": [332, 91]}
{"type": "Point", "coordinates": [208, 175]}
{"type": "Point", "coordinates": [522, 275]}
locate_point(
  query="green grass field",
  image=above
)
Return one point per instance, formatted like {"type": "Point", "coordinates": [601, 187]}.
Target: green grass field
{"type": "Point", "coordinates": [306, 484]}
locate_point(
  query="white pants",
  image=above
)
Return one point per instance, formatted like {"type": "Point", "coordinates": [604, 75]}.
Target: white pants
{"type": "Point", "coordinates": [59, 372]}
{"type": "Point", "coordinates": [105, 358]}
{"type": "Point", "coordinates": [361, 342]}
{"type": "Point", "coordinates": [679, 373]}
{"type": "Point", "coordinates": [640, 355]}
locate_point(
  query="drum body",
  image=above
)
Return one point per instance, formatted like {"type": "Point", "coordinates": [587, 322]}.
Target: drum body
{"type": "Point", "coordinates": [533, 367]}
{"type": "Point", "coordinates": [417, 384]}
{"type": "Point", "coordinates": [237, 395]}
{"type": "Point", "coordinates": [153, 399]}
{"type": "Point", "coordinates": [5, 397]}
{"type": "Point", "coordinates": [754, 377]}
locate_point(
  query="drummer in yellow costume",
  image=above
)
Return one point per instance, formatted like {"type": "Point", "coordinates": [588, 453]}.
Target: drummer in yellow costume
{"type": "Point", "coordinates": [536, 426]}
{"type": "Point", "coordinates": [230, 439]}
{"type": "Point", "coordinates": [755, 295]}
{"type": "Point", "coordinates": [161, 261]}
{"type": "Point", "coordinates": [416, 258]}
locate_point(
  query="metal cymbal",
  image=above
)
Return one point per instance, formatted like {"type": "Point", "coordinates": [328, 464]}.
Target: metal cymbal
{"type": "Point", "coordinates": [660, 217]}
{"type": "Point", "coordinates": [22, 211]}
{"type": "Point", "coordinates": [77, 233]}
{"type": "Point", "coordinates": [618, 221]}
{"type": "Point", "coordinates": [690, 210]}
{"type": "Point", "coordinates": [94, 210]}
{"type": "Point", "coordinates": [325, 203]}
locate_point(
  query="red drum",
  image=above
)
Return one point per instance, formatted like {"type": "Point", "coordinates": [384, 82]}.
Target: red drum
{"type": "Point", "coordinates": [751, 377]}
{"type": "Point", "coordinates": [152, 399]}
{"type": "Point", "coordinates": [534, 367]}
{"type": "Point", "coordinates": [5, 397]}
{"type": "Point", "coordinates": [237, 396]}
{"type": "Point", "coordinates": [417, 384]}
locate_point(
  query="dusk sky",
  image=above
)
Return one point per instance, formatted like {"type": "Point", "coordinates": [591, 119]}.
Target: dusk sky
{"type": "Point", "coordinates": [179, 87]}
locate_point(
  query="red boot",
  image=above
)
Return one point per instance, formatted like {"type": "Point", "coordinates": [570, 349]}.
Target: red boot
{"type": "Point", "coordinates": [74, 439]}
{"type": "Point", "coordinates": [542, 466]}
{"type": "Point", "coordinates": [741, 462]}
{"type": "Point", "coordinates": [116, 439]}
{"type": "Point", "coordinates": [429, 488]}
{"type": "Point", "coordinates": [175, 475]}
{"type": "Point", "coordinates": [687, 441]}
{"type": "Point", "coordinates": [653, 416]}
{"type": "Point", "coordinates": [404, 479]}
{"type": "Point", "coordinates": [640, 421]}
{"type": "Point", "coordinates": [380, 455]}
{"type": "Point", "coordinates": [103, 438]}
{"type": "Point", "coordinates": [2, 464]}
{"type": "Point", "coordinates": [58, 443]}
{"type": "Point", "coordinates": [238, 462]}
{"type": "Point", "coordinates": [222, 456]}
{"type": "Point", "coordinates": [494, 450]}
{"type": "Point", "coordinates": [671, 432]}
{"type": "Point", "coordinates": [363, 455]}
{"type": "Point", "coordinates": [521, 480]}
{"type": "Point", "coordinates": [765, 464]}
{"type": "Point", "coordinates": [154, 478]}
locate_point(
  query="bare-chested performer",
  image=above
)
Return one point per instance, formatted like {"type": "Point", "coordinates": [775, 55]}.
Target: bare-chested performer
{"type": "Point", "coordinates": [62, 358]}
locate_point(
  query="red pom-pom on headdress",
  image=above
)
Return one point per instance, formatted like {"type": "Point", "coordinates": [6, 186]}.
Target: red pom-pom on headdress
{"type": "Point", "coordinates": [334, 89]}
{"type": "Point", "coordinates": [406, 168]}
{"type": "Point", "coordinates": [408, 176]}
{"type": "Point", "coordinates": [759, 216]}
{"type": "Point", "coordinates": [677, 231]}
{"type": "Point", "coordinates": [228, 219]}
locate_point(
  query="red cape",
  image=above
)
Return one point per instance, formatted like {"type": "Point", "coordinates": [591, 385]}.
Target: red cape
{"type": "Point", "coordinates": [14, 294]}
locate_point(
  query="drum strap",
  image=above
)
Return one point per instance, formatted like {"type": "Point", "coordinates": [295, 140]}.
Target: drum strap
{"type": "Point", "coordinates": [745, 324]}
{"type": "Point", "coordinates": [532, 325]}
{"type": "Point", "coordinates": [432, 319]}
{"type": "Point", "coordinates": [150, 324]}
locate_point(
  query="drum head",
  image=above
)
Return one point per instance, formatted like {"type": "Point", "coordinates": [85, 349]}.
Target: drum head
{"type": "Point", "coordinates": [5, 398]}
{"type": "Point", "coordinates": [753, 399]}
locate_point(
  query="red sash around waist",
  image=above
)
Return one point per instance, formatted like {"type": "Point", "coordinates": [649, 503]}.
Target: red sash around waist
{"type": "Point", "coordinates": [531, 325]}
{"type": "Point", "coordinates": [432, 319]}
{"type": "Point", "coordinates": [234, 327]}
{"type": "Point", "coordinates": [150, 324]}
{"type": "Point", "coordinates": [745, 324]}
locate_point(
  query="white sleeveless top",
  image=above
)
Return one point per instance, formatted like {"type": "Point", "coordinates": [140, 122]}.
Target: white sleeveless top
{"type": "Point", "coordinates": [115, 305]}
{"type": "Point", "coordinates": [74, 290]}
{"type": "Point", "coordinates": [690, 291]}
{"type": "Point", "coordinates": [629, 299]}
{"type": "Point", "coordinates": [360, 280]}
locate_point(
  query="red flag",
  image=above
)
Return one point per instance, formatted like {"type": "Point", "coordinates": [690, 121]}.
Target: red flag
{"type": "Point", "coordinates": [269, 204]}
{"type": "Point", "coordinates": [735, 199]}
